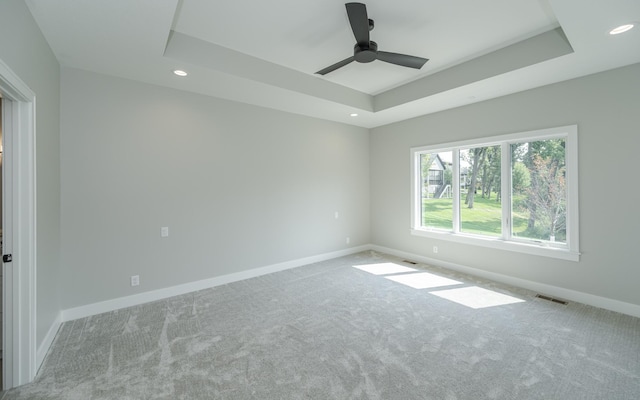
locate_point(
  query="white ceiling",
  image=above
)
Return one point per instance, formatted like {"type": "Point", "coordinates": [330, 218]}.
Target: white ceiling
{"type": "Point", "coordinates": [266, 52]}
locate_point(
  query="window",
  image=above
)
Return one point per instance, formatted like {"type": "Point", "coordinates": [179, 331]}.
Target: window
{"type": "Point", "coordinates": [515, 192]}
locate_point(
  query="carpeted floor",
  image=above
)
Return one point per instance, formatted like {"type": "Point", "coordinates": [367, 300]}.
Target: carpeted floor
{"type": "Point", "coordinates": [332, 331]}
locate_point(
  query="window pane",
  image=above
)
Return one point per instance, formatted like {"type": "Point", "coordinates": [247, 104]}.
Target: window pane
{"type": "Point", "coordinates": [480, 189]}
{"type": "Point", "coordinates": [539, 198]}
{"type": "Point", "coordinates": [437, 203]}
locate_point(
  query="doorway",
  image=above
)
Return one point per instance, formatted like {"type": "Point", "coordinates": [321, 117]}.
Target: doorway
{"type": "Point", "coordinates": [18, 231]}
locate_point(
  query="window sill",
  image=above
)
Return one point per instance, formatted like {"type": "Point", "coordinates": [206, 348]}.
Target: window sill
{"type": "Point", "coordinates": [519, 247]}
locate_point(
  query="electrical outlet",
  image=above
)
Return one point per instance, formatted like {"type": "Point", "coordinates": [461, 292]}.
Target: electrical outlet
{"type": "Point", "coordinates": [435, 249]}
{"type": "Point", "coordinates": [135, 280]}
{"type": "Point", "coordinates": [348, 240]}
{"type": "Point", "coordinates": [336, 215]}
{"type": "Point", "coordinates": [164, 231]}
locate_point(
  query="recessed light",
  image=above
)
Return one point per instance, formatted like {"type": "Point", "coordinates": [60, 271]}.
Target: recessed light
{"type": "Point", "coordinates": [621, 29]}
{"type": "Point", "coordinates": [180, 72]}
{"type": "Point", "coordinates": [353, 114]}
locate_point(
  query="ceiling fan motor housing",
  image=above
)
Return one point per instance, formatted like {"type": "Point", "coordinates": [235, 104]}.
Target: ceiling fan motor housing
{"type": "Point", "coordinates": [365, 52]}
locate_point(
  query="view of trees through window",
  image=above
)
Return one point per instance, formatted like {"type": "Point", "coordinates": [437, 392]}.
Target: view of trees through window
{"type": "Point", "coordinates": [537, 183]}
{"type": "Point", "coordinates": [480, 191]}
{"type": "Point", "coordinates": [538, 173]}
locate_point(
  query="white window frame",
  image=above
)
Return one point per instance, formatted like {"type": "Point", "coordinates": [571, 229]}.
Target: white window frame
{"type": "Point", "coordinates": [565, 251]}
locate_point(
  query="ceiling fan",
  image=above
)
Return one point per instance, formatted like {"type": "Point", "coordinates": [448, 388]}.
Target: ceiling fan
{"type": "Point", "coordinates": [366, 50]}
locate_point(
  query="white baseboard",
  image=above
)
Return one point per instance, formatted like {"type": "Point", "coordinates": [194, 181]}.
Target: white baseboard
{"type": "Point", "coordinates": [129, 301]}
{"type": "Point", "coordinates": [555, 291]}
{"type": "Point", "coordinates": [41, 353]}
{"type": "Point", "coordinates": [133, 300]}
{"type": "Point", "coordinates": [159, 294]}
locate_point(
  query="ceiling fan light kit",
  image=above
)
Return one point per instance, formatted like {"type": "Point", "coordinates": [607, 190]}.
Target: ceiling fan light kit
{"type": "Point", "coordinates": [366, 50]}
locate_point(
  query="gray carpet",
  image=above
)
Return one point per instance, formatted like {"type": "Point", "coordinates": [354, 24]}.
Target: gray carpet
{"type": "Point", "coordinates": [332, 331]}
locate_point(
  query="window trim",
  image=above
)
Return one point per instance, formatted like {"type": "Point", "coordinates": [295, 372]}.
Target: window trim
{"type": "Point", "coordinates": [569, 251]}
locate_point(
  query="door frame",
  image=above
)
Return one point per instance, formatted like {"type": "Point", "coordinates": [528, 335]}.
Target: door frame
{"type": "Point", "coordinates": [19, 230]}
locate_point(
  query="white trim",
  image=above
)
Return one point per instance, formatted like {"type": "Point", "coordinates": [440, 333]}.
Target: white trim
{"type": "Point", "coordinates": [159, 294]}
{"type": "Point", "coordinates": [567, 294]}
{"type": "Point", "coordinates": [539, 134]}
{"type": "Point", "coordinates": [129, 301]}
{"type": "Point", "coordinates": [571, 152]}
{"type": "Point", "coordinates": [12, 86]}
{"type": "Point", "coordinates": [500, 244]}
{"type": "Point", "coordinates": [20, 312]}
{"type": "Point", "coordinates": [506, 189]}
{"type": "Point", "coordinates": [48, 340]}
{"type": "Point", "coordinates": [416, 188]}
{"type": "Point", "coordinates": [455, 180]}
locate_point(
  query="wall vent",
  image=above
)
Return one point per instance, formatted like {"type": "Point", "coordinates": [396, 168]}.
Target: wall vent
{"type": "Point", "coordinates": [543, 297]}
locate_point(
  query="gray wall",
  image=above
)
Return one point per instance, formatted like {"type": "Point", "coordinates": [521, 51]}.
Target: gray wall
{"type": "Point", "coordinates": [239, 186]}
{"type": "Point", "coordinates": [25, 51]}
{"type": "Point", "coordinates": [606, 108]}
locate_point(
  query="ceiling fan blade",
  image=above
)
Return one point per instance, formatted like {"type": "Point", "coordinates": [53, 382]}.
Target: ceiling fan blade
{"type": "Point", "coordinates": [335, 66]}
{"type": "Point", "coordinates": [402, 59]}
{"type": "Point", "coordinates": [359, 21]}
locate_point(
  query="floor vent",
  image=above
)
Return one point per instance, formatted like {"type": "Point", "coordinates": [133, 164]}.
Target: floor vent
{"type": "Point", "coordinates": [543, 297]}
{"type": "Point", "coordinates": [410, 262]}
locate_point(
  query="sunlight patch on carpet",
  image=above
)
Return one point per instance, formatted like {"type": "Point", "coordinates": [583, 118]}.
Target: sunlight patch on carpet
{"type": "Point", "coordinates": [476, 297]}
{"type": "Point", "coordinates": [384, 268]}
{"type": "Point", "coordinates": [423, 280]}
